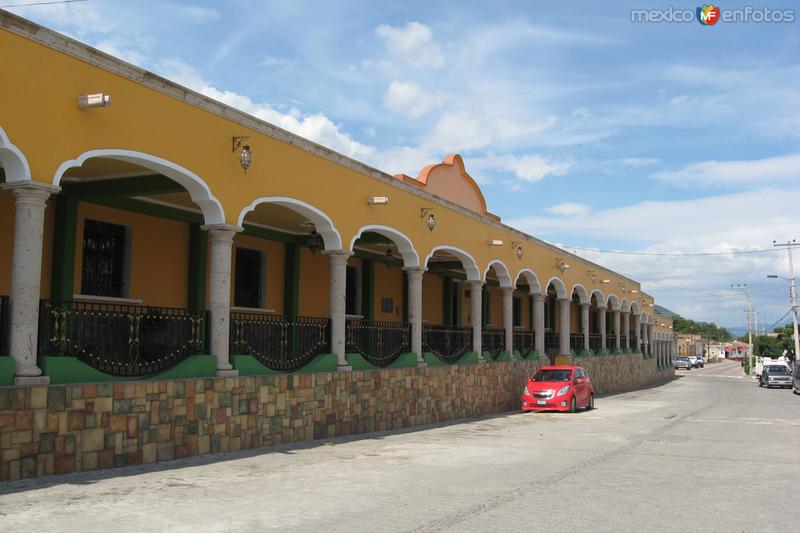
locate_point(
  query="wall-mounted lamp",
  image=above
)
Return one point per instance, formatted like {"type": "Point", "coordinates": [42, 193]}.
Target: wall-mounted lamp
{"type": "Point", "coordinates": [495, 242]}
{"type": "Point", "coordinates": [245, 156]}
{"type": "Point", "coordinates": [90, 101]}
{"type": "Point", "coordinates": [518, 250]}
{"type": "Point", "coordinates": [634, 291]}
{"type": "Point", "coordinates": [378, 200]}
{"type": "Point", "coordinates": [605, 281]}
{"type": "Point", "coordinates": [593, 277]}
{"type": "Point", "coordinates": [426, 213]}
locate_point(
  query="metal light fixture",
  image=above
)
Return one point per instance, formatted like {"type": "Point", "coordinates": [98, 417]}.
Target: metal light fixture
{"type": "Point", "coordinates": [245, 156]}
{"type": "Point", "coordinates": [605, 281]}
{"type": "Point", "coordinates": [89, 101]}
{"type": "Point", "coordinates": [378, 200]}
{"type": "Point", "coordinates": [430, 219]}
{"type": "Point", "coordinates": [518, 249]}
{"type": "Point", "coordinates": [495, 242]}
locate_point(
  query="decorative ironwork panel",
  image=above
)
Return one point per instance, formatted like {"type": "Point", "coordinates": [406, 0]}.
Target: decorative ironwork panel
{"type": "Point", "coordinates": [279, 342]}
{"type": "Point", "coordinates": [611, 342]}
{"type": "Point", "coordinates": [121, 340]}
{"type": "Point", "coordinates": [576, 342]}
{"type": "Point", "coordinates": [595, 342]}
{"type": "Point", "coordinates": [4, 320]}
{"type": "Point", "coordinates": [493, 341]}
{"type": "Point", "coordinates": [448, 343]}
{"type": "Point", "coordinates": [379, 342]}
{"type": "Point", "coordinates": [524, 342]}
{"type": "Point", "coordinates": [551, 343]}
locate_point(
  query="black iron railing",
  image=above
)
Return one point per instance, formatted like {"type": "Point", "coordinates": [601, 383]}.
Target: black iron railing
{"type": "Point", "coordinates": [551, 343]}
{"type": "Point", "coordinates": [279, 342]}
{"type": "Point", "coordinates": [611, 342]}
{"type": "Point", "coordinates": [493, 341]}
{"type": "Point", "coordinates": [448, 343]}
{"type": "Point", "coordinates": [623, 342]}
{"type": "Point", "coordinates": [379, 342]}
{"type": "Point", "coordinates": [632, 337]}
{"type": "Point", "coordinates": [524, 342]}
{"type": "Point", "coordinates": [121, 340]}
{"type": "Point", "coordinates": [4, 321]}
{"type": "Point", "coordinates": [576, 342]}
{"type": "Point", "coordinates": [595, 342]}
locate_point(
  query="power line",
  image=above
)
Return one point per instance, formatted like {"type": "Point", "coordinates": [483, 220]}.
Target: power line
{"type": "Point", "coordinates": [779, 320]}
{"type": "Point", "coordinates": [708, 294]}
{"type": "Point", "coordinates": [45, 3]}
{"type": "Point", "coordinates": [669, 254]}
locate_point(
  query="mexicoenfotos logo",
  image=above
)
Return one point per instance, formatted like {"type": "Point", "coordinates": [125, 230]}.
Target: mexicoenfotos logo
{"type": "Point", "coordinates": [708, 15]}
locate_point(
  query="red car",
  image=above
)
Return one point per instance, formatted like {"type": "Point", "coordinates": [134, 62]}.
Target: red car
{"type": "Point", "coordinates": [558, 388]}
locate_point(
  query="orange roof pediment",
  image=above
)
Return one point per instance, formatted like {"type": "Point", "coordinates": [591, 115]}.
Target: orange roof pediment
{"type": "Point", "coordinates": [450, 180]}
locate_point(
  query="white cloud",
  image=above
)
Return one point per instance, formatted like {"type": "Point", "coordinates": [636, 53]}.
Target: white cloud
{"type": "Point", "coordinates": [640, 161]}
{"type": "Point", "coordinates": [316, 127]}
{"type": "Point", "coordinates": [414, 43]}
{"type": "Point", "coordinates": [471, 129]}
{"type": "Point", "coordinates": [410, 98]}
{"type": "Point", "coordinates": [743, 173]}
{"type": "Point", "coordinates": [568, 209]}
{"type": "Point", "coordinates": [534, 167]}
{"type": "Point", "coordinates": [692, 285]}
{"type": "Point", "coordinates": [197, 14]}
{"type": "Point", "coordinates": [272, 61]}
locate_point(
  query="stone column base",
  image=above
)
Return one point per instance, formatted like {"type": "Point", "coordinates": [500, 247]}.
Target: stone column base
{"type": "Point", "coordinates": [343, 368]}
{"type": "Point", "coordinates": [422, 365]}
{"type": "Point", "coordinates": [227, 373]}
{"type": "Point", "coordinates": [31, 381]}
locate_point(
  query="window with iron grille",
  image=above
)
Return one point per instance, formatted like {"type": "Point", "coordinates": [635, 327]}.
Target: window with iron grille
{"type": "Point", "coordinates": [104, 261]}
{"type": "Point", "coordinates": [353, 291]}
{"type": "Point", "coordinates": [249, 278]}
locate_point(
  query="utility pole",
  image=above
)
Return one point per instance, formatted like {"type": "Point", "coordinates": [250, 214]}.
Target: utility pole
{"type": "Point", "coordinates": [746, 288]}
{"type": "Point", "coordinates": [793, 294]}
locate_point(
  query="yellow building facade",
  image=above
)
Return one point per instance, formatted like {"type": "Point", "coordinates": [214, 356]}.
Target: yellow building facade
{"type": "Point", "coordinates": [161, 229]}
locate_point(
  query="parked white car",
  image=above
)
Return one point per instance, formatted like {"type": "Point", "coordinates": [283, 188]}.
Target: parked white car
{"type": "Point", "coordinates": [693, 360]}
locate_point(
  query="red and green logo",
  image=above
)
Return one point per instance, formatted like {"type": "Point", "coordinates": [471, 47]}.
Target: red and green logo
{"type": "Point", "coordinates": [708, 15]}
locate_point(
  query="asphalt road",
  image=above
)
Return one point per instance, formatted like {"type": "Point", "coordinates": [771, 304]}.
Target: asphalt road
{"type": "Point", "coordinates": [709, 451]}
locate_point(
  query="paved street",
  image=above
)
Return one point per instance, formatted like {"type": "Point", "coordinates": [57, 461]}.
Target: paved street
{"type": "Point", "coordinates": [708, 451]}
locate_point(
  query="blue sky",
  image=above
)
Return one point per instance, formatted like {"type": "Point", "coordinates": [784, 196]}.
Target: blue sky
{"type": "Point", "coordinates": [583, 128]}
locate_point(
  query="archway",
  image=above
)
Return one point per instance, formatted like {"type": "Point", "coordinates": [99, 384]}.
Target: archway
{"type": "Point", "coordinates": [449, 297]}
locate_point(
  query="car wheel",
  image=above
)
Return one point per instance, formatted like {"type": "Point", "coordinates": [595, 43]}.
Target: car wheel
{"type": "Point", "coordinates": [760, 383]}
{"type": "Point", "coordinates": [591, 403]}
{"type": "Point", "coordinates": [572, 405]}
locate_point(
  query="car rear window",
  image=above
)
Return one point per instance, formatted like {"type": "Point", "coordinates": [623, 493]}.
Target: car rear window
{"type": "Point", "coordinates": [777, 369]}
{"type": "Point", "coordinates": [553, 375]}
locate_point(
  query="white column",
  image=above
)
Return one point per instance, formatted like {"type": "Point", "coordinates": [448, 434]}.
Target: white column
{"type": "Point", "coordinates": [415, 310]}
{"type": "Point", "coordinates": [220, 237]}
{"type": "Point", "coordinates": [538, 323]}
{"type": "Point", "coordinates": [618, 341]}
{"type": "Point", "coordinates": [476, 305]}
{"type": "Point", "coordinates": [601, 323]}
{"type": "Point", "coordinates": [563, 326]}
{"type": "Point", "coordinates": [508, 319]}
{"type": "Point", "coordinates": [337, 304]}
{"type": "Point", "coordinates": [626, 325]}
{"type": "Point", "coordinates": [585, 324]}
{"type": "Point", "coordinates": [30, 201]}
